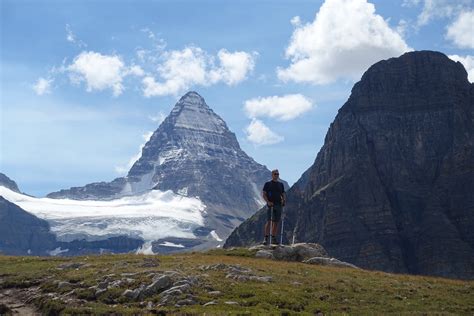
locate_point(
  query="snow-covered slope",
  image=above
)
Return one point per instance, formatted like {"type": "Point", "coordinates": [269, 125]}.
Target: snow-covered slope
{"type": "Point", "coordinates": [150, 216]}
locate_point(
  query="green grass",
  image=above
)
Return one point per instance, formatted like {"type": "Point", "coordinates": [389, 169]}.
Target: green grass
{"type": "Point", "coordinates": [297, 288]}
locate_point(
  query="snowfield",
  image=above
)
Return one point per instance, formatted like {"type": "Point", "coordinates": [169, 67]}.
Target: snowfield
{"type": "Point", "coordinates": [150, 216]}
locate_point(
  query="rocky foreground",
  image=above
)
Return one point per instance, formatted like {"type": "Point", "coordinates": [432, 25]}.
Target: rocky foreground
{"type": "Point", "coordinates": [260, 280]}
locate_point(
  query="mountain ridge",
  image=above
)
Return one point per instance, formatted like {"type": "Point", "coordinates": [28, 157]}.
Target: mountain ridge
{"type": "Point", "coordinates": [391, 188]}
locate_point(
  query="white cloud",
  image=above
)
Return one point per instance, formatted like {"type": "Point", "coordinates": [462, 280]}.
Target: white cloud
{"type": "Point", "coordinates": [434, 9]}
{"type": "Point", "coordinates": [233, 68]}
{"type": "Point", "coordinates": [71, 37]}
{"type": "Point", "coordinates": [181, 69]}
{"type": "Point", "coordinates": [124, 169]}
{"type": "Point", "coordinates": [42, 86]}
{"type": "Point", "coordinates": [99, 71]}
{"type": "Point", "coordinates": [468, 63]}
{"type": "Point", "coordinates": [282, 108]}
{"type": "Point", "coordinates": [259, 134]}
{"type": "Point", "coordinates": [461, 31]}
{"type": "Point", "coordinates": [136, 71]}
{"type": "Point", "coordinates": [346, 37]}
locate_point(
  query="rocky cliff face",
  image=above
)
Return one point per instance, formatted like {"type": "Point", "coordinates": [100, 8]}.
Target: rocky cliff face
{"type": "Point", "coordinates": [392, 187]}
{"type": "Point", "coordinates": [8, 183]}
{"type": "Point", "coordinates": [22, 233]}
{"type": "Point", "coordinates": [192, 153]}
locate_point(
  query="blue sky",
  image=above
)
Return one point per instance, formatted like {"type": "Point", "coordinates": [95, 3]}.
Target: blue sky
{"type": "Point", "coordinates": [84, 82]}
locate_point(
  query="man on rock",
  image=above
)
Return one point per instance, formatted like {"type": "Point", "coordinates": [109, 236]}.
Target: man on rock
{"type": "Point", "coordinates": [274, 194]}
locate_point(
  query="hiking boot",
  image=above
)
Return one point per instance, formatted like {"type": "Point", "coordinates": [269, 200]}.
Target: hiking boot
{"type": "Point", "coordinates": [274, 241]}
{"type": "Point", "coordinates": [265, 241]}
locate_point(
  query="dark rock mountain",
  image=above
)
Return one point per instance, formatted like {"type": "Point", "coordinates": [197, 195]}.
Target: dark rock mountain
{"type": "Point", "coordinates": [392, 188]}
{"type": "Point", "coordinates": [192, 153]}
{"type": "Point", "coordinates": [22, 233]}
{"type": "Point", "coordinates": [8, 183]}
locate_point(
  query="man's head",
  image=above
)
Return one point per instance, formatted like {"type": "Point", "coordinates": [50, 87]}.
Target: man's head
{"type": "Point", "coordinates": [275, 175]}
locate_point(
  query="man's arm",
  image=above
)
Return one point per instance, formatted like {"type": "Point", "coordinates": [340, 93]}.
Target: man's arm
{"type": "Point", "coordinates": [264, 194]}
{"type": "Point", "coordinates": [283, 198]}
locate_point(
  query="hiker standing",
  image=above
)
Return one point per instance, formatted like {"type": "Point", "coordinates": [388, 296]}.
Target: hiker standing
{"type": "Point", "coordinates": [274, 194]}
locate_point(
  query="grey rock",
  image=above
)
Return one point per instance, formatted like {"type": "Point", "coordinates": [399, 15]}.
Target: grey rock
{"type": "Point", "coordinates": [71, 266]}
{"type": "Point", "coordinates": [158, 285]}
{"type": "Point", "coordinates": [298, 252]}
{"type": "Point", "coordinates": [265, 279]}
{"type": "Point", "coordinates": [211, 303]}
{"type": "Point", "coordinates": [265, 254]}
{"type": "Point", "coordinates": [186, 301]}
{"type": "Point", "coordinates": [329, 262]}
{"type": "Point", "coordinates": [391, 189]}
{"type": "Point", "coordinates": [63, 284]}
{"type": "Point", "coordinates": [231, 303]}
{"type": "Point", "coordinates": [173, 292]}
{"type": "Point", "coordinates": [8, 183]}
{"type": "Point", "coordinates": [131, 294]}
{"type": "Point", "coordinates": [215, 293]}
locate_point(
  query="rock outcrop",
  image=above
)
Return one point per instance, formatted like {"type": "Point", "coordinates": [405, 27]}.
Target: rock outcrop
{"type": "Point", "coordinates": [392, 187]}
{"type": "Point", "coordinates": [22, 233]}
{"type": "Point", "coordinates": [8, 183]}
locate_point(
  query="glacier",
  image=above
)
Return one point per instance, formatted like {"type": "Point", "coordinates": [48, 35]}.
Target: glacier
{"type": "Point", "coordinates": [149, 216]}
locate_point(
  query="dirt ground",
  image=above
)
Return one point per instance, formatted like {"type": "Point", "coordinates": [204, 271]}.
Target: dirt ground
{"type": "Point", "coordinates": [14, 300]}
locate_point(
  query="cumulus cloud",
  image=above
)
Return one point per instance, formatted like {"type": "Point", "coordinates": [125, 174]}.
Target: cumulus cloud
{"type": "Point", "coordinates": [136, 71]}
{"type": "Point", "coordinates": [233, 67]}
{"type": "Point", "coordinates": [42, 86]}
{"type": "Point", "coordinates": [101, 72]}
{"type": "Point", "coordinates": [461, 31]}
{"type": "Point", "coordinates": [124, 169]}
{"type": "Point", "coordinates": [282, 108]}
{"type": "Point", "coordinates": [259, 134]}
{"type": "Point", "coordinates": [181, 69]}
{"type": "Point", "coordinates": [345, 38]}
{"type": "Point", "coordinates": [468, 63]}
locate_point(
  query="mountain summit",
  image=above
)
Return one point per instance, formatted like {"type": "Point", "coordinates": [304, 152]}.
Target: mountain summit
{"type": "Point", "coordinates": [392, 187]}
{"type": "Point", "coordinates": [192, 153]}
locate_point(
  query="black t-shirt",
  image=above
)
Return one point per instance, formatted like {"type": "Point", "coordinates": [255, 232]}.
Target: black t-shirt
{"type": "Point", "coordinates": [274, 190]}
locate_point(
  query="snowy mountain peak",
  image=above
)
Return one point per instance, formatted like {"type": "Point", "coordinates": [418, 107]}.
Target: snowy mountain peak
{"type": "Point", "coordinates": [192, 112]}
{"type": "Point", "coordinates": [194, 154]}
{"type": "Point", "coordinates": [192, 99]}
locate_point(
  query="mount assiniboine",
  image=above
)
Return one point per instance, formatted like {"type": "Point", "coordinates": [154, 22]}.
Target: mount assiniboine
{"type": "Point", "coordinates": [190, 188]}
{"type": "Point", "coordinates": [393, 186]}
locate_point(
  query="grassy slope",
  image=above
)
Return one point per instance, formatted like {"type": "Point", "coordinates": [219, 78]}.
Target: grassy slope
{"type": "Point", "coordinates": [296, 287]}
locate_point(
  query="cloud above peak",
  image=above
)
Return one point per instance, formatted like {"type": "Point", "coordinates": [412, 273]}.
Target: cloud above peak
{"type": "Point", "coordinates": [345, 38]}
{"type": "Point", "coordinates": [179, 70]}
{"type": "Point", "coordinates": [101, 72]}
{"type": "Point", "coordinates": [98, 71]}
{"type": "Point", "coordinates": [282, 108]}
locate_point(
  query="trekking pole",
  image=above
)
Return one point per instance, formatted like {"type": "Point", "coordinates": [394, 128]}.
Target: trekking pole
{"type": "Point", "coordinates": [282, 223]}
{"type": "Point", "coordinates": [271, 226]}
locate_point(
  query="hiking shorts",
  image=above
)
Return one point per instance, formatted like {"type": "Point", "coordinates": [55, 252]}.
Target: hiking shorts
{"type": "Point", "coordinates": [276, 216]}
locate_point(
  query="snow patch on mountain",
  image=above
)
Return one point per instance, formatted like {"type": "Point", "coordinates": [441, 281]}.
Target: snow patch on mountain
{"type": "Point", "coordinates": [215, 236]}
